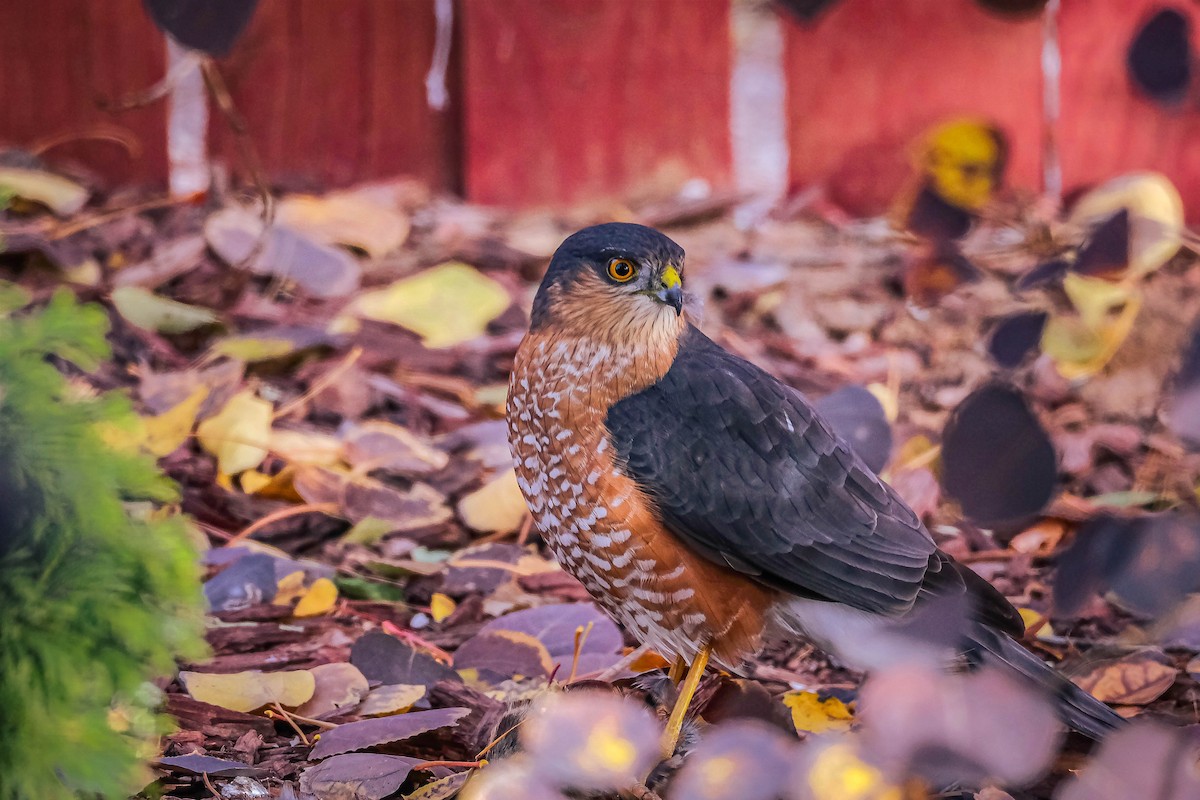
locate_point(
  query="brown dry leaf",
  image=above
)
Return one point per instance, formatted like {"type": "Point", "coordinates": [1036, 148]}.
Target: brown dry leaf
{"type": "Point", "coordinates": [247, 691]}
{"type": "Point", "coordinates": [240, 434]}
{"type": "Point", "coordinates": [446, 305]}
{"type": "Point", "coordinates": [346, 218]}
{"type": "Point", "coordinates": [811, 714]}
{"type": "Point", "coordinates": [1136, 679]}
{"type": "Point", "coordinates": [392, 699]}
{"type": "Point", "coordinates": [339, 687]}
{"type": "Point", "coordinates": [497, 507]}
{"type": "Point", "coordinates": [235, 234]}
{"type": "Point", "coordinates": [360, 497]}
{"type": "Point", "coordinates": [1041, 537]}
{"type": "Point", "coordinates": [393, 448]}
{"type": "Point", "coordinates": [320, 598]}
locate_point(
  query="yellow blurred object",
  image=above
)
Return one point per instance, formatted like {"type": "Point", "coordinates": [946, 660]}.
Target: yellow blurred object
{"type": "Point", "coordinates": [838, 773]}
{"type": "Point", "coordinates": [1155, 216]}
{"type": "Point", "coordinates": [811, 714]}
{"type": "Point", "coordinates": [964, 159]}
{"type": "Point", "coordinates": [1080, 349]}
{"type": "Point", "coordinates": [321, 597]}
{"type": "Point", "coordinates": [441, 606]}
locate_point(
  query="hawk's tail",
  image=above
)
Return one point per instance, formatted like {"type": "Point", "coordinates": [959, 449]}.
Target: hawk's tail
{"type": "Point", "coordinates": [1075, 707]}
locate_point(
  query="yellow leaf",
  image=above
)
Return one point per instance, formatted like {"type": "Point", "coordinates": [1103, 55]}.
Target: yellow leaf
{"type": "Point", "coordinates": [306, 447]}
{"type": "Point", "coordinates": [152, 312]}
{"type": "Point", "coordinates": [319, 599]}
{"type": "Point", "coordinates": [441, 606]}
{"type": "Point", "coordinates": [392, 699]}
{"type": "Point", "coordinates": [965, 159]}
{"type": "Point", "coordinates": [339, 686]}
{"type": "Point", "coordinates": [346, 218]}
{"type": "Point", "coordinates": [238, 436]}
{"type": "Point", "coordinates": [276, 487]}
{"type": "Point", "coordinates": [289, 589]}
{"type": "Point", "coordinates": [62, 196]}
{"type": "Point", "coordinates": [837, 773]}
{"type": "Point", "coordinates": [498, 507]}
{"type": "Point", "coordinates": [1094, 298]}
{"type": "Point", "coordinates": [252, 481]}
{"type": "Point", "coordinates": [1155, 216]}
{"type": "Point", "coordinates": [446, 305]}
{"type": "Point", "coordinates": [167, 431]}
{"type": "Point", "coordinates": [246, 691]}
{"type": "Point", "coordinates": [812, 715]}
{"type": "Point", "coordinates": [1080, 351]}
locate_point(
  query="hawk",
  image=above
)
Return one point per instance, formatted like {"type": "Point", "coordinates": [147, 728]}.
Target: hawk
{"type": "Point", "coordinates": [706, 505]}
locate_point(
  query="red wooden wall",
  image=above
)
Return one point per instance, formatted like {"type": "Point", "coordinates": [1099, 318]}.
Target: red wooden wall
{"type": "Point", "coordinates": [572, 99]}
{"type": "Point", "coordinates": [870, 75]}
{"type": "Point", "coordinates": [1107, 128]}
{"type": "Point", "coordinates": [60, 59]}
{"type": "Point", "coordinates": [334, 92]}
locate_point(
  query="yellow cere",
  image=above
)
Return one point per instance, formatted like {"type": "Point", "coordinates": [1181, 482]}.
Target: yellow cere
{"type": "Point", "coordinates": [671, 278]}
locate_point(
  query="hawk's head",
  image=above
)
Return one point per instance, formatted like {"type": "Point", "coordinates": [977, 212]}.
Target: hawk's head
{"type": "Point", "coordinates": [617, 279]}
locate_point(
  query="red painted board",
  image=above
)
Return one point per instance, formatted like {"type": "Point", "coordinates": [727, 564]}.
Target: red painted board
{"type": "Point", "coordinates": [870, 75]}
{"type": "Point", "coordinates": [1106, 127]}
{"type": "Point", "coordinates": [333, 93]}
{"type": "Point", "coordinates": [573, 100]}
{"type": "Point", "coordinates": [60, 60]}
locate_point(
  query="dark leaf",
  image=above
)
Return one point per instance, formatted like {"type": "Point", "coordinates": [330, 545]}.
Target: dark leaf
{"type": "Point", "coordinates": [247, 582]}
{"type": "Point", "coordinates": [463, 578]}
{"type": "Point", "coordinates": [1015, 337]}
{"type": "Point", "coordinates": [739, 699]}
{"type": "Point", "coordinates": [388, 660]}
{"type": "Point", "coordinates": [213, 767]}
{"type": "Point", "coordinates": [358, 776]}
{"type": "Point", "coordinates": [1044, 273]}
{"type": "Point", "coordinates": [1106, 252]}
{"type": "Point", "coordinates": [934, 218]}
{"type": "Point", "coordinates": [929, 277]}
{"type": "Point", "coordinates": [372, 732]}
{"type": "Point", "coordinates": [858, 417]}
{"type": "Point", "coordinates": [997, 460]}
{"type": "Point", "coordinates": [505, 654]}
{"type": "Point", "coordinates": [555, 626]}
{"type": "Point", "coordinates": [1160, 57]}
{"type": "Point", "coordinates": [208, 25]}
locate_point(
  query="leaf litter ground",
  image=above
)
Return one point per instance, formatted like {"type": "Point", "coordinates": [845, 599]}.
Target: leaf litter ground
{"type": "Point", "coordinates": [329, 396]}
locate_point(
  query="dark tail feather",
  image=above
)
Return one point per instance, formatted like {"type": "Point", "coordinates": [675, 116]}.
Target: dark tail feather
{"type": "Point", "coordinates": [1075, 707]}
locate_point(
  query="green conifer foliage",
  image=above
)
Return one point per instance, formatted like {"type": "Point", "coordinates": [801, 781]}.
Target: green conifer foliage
{"type": "Point", "coordinates": [97, 597]}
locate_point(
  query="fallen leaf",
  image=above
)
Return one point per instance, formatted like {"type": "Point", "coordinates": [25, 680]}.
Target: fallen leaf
{"type": "Point", "coordinates": [858, 416]}
{"type": "Point", "coordinates": [446, 305]}
{"type": "Point", "coordinates": [358, 776]}
{"type": "Point", "coordinates": [306, 447]}
{"type": "Point", "coordinates": [290, 588]}
{"type": "Point", "coordinates": [497, 507]}
{"type": "Point", "coordinates": [213, 767]}
{"type": "Point", "coordinates": [1133, 680]}
{"type": "Point", "coordinates": [965, 159]}
{"type": "Point", "coordinates": [371, 732]}
{"type": "Point", "coordinates": [153, 312]}
{"type": "Point", "coordinates": [319, 269]}
{"type": "Point", "coordinates": [345, 218]}
{"type": "Point", "coordinates": [393, 699]}
{"type": "Point", "coordinates": [320, 598]}
{"type": "Point", "coordinates": [339, 687]}
{"type": "Point", "coordinates": [247, 691]}
{"type": "Point", "coordinates": [368, 531]}
{"type": "Point", "coordinates": [388, 660]}
{"type": "Point", "coordinates": [811, 714]}
{"type": "Point", "coordinates": [504, 654]}
{"type": "Point", "coordinates": [393, 448]}
{"type": "Point", "coordinates": [247, 582]}
{"type": "Point", "coordinates": [239, 434]}
{"type": "Point", "coordinates": [360, 497]}
{"type": "Point", "coordinates": [1155, 216]}
{"type": "Point", "coordinates": [165, 432]}
{"type": "Point", "coordinates": [441, 606]}
{"type": "Point", "coordinates": [441, 789]}
{"type": "Point", "coordinates": [62, 196]}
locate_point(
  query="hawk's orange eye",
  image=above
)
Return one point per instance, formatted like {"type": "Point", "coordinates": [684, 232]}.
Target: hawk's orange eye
{"type": "Point", "coordinates": [621, 270]}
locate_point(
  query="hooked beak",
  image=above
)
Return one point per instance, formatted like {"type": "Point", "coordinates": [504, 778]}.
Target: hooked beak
{"type": "Point", "coordinates": [671, 292]}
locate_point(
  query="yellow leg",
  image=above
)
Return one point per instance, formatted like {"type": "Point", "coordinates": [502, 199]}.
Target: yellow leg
{"type": "Point", "coordinates": [677, 670]}
{"type": "Point", "coordinates": [670, 736]}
